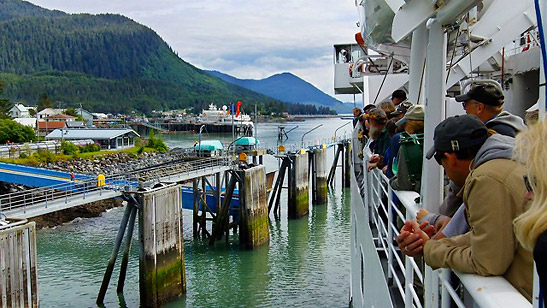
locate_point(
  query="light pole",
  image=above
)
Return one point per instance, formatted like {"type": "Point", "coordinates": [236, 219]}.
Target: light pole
{"type": "Point", "coordinates": [311, 130]}
{"type": "Point", "coordinates": [338, 129]}
{"type": "Point", "coordinates": [199, 144]}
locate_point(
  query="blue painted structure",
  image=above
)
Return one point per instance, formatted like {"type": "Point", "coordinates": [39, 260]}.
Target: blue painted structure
{"type": "Point", "coordinates": [188, 200]}
{"type": "Point", "coordinates": [38, 177]}
{"type": "Point", "coordinates": [59, 180]}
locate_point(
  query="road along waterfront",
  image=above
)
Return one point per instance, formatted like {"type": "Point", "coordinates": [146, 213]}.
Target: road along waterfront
{"type": "Point", "coordinates": [306, 263]}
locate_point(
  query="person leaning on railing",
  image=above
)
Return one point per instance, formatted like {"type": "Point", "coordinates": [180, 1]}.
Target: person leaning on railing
{"type": "Point", "coordinates": [408, 171]}
{"type": "Point", "coordinates": [377, 119]}
{"type": "Point", "coordinates": [485, 100]}
{"type": "Point", "coordinates": [531, 227]}
{"type": "Point", "coordinates": [492, 193]}
{"type": "Point", "coordinates": [393, 150]}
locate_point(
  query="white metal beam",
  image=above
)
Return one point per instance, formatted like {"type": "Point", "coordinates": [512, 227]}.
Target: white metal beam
{"type": "Point", "coordinates": [502, 23]}
{"type": "Point", "coordinates": [417, 62]}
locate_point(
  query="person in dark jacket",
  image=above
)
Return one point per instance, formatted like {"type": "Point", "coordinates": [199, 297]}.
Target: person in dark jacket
{"type": "Point", "coordinates": [377, 119]}
{"type": "Point", "coordinates": [485, 100]}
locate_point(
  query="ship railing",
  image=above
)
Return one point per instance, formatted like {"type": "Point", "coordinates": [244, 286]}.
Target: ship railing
{"type": "Point", "coordinates": [526, 41]}
{"type": "Point", "coordinates": [376, 65]}
{"type": "Point", "coordinates": [405, 273]}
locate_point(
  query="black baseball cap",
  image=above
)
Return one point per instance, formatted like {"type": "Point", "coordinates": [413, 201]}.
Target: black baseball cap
{"type": "Point", "coordinates": [486, 93]}
{"type": "Point", "coordinates": [400, 94]}
{"type": "Point", "coordinates": [458, 133]}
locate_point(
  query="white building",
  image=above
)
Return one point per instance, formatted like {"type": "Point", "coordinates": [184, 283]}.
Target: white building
{"type": "Point", "coordinates": [106, 138]}
{"type": "Point", "coordinates": [19, 111]}
{"type": "Point", "coordinates": [31, 122]}
{"type": "Point", "coordinates": [49, 112]}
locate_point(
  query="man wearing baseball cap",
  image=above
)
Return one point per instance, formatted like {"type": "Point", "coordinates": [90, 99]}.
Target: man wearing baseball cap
{"type": "Point", "coordinates": [398, 96]}
{"type": "Point", "coordinates": [485, 100]}
{"type": "Point", "coordinates": [492, 190]}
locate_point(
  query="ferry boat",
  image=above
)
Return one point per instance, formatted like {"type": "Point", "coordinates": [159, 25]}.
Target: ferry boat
{"type": "Point", "coordinates": [431, 49]}
{"type": "Point", "coordinates": [223, 117]}
{"type": "Point", "coordinates": [214, 120]}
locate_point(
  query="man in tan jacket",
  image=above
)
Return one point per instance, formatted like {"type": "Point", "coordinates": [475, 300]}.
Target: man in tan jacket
{"type": "Point", "coordinates": [493, 193]}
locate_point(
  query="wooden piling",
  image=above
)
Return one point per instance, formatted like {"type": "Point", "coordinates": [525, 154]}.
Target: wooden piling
{"type": "Point", "coordinates": [18, 267]}
{"type": "Point", "coordinates": [320, 176]}
{"type": "Point", "coordinates": [127, 249]}
{"type": "Point", "coordinates": [254, 224]}
{"type": "Point", "coordinates": [332, 172]}
{"type": "Point", "coordinates": [221, 224]}
{"type": "Point", "coordinates": [114, 255]}
{"type": "Point", "coordinates": [195, 217]}
{"type": "Point", "coordinates": [346, 181]}
{"type": "Point", "coordinates": [161, 264]}
{"type": "Point", "coordinates": [298, 185]}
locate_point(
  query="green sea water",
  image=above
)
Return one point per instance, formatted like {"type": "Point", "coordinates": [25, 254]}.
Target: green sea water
{"type": "Point", "coordinates": [305, 264]}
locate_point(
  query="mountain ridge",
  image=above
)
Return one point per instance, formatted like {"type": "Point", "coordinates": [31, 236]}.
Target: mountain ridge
{"type": "Point", "coordinates": [287, 87]}
{"type": "Point", "coordinates": [107, 62]}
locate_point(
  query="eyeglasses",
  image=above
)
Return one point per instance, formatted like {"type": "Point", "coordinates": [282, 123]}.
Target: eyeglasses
{"type": "Point", "coordinates": [438, 157]}
{"type": "Point", "coordinates": [527, 183]}
{"type": "Point", "coordinates": [465, 103]}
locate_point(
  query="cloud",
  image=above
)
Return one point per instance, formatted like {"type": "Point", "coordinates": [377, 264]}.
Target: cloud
{"type": "Point", "coordinates": [247, 39]}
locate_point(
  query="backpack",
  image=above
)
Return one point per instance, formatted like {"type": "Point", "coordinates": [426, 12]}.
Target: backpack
{"type": "Point", "coordinates": [412, 146]}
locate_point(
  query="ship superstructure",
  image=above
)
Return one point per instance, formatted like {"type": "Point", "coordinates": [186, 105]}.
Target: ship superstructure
{"type": "Point", "coordinates": [432, 50]}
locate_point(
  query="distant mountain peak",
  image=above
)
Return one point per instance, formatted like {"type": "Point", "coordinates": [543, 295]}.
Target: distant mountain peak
{"type": "Point", "coordinates": [14, 9]}
{"type": "Point", "coordinates": [289, 88]}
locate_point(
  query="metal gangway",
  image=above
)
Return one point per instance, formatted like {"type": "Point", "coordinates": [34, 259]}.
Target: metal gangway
{"type": "Point", "coordinates": [44, 200]}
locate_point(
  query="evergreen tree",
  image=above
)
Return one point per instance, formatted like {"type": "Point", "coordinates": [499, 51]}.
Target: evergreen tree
{"type": "Point", "coordinates": [5, 105]}
{"type": "Point", "coordinates": [71, 112]}
{"type": "Point", "coordinates": [44, 102]}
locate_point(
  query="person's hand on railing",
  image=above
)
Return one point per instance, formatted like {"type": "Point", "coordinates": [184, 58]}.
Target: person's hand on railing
{"type": "Point", "coordinates": [412, 238]}
{"type": "Point", "coordinates": [371, 166]}
{"type": "Point", "coordinates": [374, 158]}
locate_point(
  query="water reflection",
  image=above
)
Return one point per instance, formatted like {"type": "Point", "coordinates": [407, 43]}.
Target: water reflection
{"type": "Point", "coordinates": [306, 263]}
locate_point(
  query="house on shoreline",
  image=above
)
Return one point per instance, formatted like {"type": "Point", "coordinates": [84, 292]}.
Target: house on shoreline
{"type": "Point", "coordinates": [111, 138]}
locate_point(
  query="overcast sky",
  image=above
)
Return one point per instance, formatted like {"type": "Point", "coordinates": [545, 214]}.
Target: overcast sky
{"type": "Point", "coordinates": [244, 38]}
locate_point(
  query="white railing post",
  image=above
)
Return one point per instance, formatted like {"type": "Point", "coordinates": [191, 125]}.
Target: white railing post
{"type": "Point", "coordinates": [409, 274]}
{"type": "Point", "coordinates": [445, 295]}
{"type": "Point", "coordinates": [431, 288]}
{"type": "Point", "coordinates": [389, 231]}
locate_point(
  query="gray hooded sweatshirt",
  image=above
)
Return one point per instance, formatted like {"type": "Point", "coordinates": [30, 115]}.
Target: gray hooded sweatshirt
{"type": "Point", "coordinates": [495, 147]}
{"type": "Point", "coordinates": [506, 124]}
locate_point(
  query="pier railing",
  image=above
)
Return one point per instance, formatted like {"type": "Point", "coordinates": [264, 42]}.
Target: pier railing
{"type": "Point", "coordinates": [415, 284]}
{"type": "Point", "coordinates": [75, 190]}
{"type": "Point", "coordinates": [65, 191]}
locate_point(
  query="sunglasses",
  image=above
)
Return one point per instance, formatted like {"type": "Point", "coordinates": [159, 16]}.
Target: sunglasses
{"type": "Point", "coordinates": [438, 157]}
{"type": "Point", "coordinates": [527, 183]}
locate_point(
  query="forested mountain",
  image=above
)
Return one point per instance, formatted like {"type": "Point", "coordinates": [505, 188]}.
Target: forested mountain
{"type": "Point", "coordinates": [105, 62]}
{"type": "Point", "coordinates": [288, 88]}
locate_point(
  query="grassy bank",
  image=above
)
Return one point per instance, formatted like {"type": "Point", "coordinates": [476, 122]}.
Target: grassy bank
{"type": "Point", "coordinates": [47, 157]}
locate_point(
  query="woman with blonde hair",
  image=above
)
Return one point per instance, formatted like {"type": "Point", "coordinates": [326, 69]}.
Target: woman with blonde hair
{"type": "Point", "coordinates": [531, 226]}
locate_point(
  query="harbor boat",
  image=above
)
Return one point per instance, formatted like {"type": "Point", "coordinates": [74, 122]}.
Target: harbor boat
{"type": "Point", "coordinates": [432, 50]}
{"type": "Point", "coordinates": [222, 119]}
{"type": "Point", "coordinates": [211, 120]}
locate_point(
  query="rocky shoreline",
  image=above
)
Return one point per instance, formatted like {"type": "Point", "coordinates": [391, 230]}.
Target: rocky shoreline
{"type": "Point", "coordinates": [118, 163]}
{"type": "Point", "coordinates": [93, 209]}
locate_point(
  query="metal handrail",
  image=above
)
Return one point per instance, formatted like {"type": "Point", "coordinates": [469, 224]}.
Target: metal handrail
{"type": "Point", "coordinates": [485, 291]}
{"type": "Point", "coordinates": [78, 188]}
